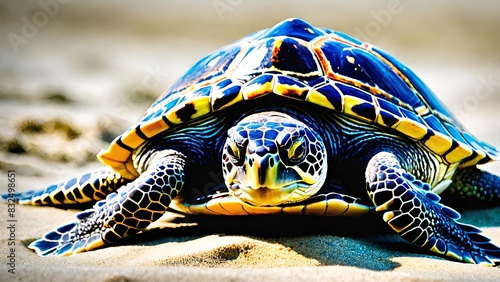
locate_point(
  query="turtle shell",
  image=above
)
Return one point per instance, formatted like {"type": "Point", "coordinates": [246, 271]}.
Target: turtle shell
{"type": "Point", "coordinates": [316, 65]}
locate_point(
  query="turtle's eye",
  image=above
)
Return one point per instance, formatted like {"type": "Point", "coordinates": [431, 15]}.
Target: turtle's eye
{"type": "Point", "coordinates": [297, 151]}
{"type": "Point", "coordinates": [235, 153]}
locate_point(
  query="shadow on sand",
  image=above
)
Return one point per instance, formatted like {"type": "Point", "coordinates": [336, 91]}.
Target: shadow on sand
{"type": "Point", "coordinates": [359, 242]}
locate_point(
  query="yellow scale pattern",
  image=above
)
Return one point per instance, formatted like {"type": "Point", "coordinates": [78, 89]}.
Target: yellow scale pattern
{"type": "Point", "coordinates": [234, 206]}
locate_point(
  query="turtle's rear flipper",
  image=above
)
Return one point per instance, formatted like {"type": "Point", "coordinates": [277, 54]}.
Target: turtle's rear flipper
{"type": "Point", "coordinates": [476, 185]}
{"type": "Point", "coordinates": [125, 212]}
{"type": "Point", "coordinates": [88, 187]}
{"type": "Point", "coordinates": [415, 213]}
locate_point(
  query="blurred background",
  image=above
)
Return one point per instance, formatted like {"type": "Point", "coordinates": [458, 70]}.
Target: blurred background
{"type": "Point", "coordinates": [74, 74]}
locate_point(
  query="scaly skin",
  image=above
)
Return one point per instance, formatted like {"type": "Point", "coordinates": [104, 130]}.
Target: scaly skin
{"type": "Point", "coordinates": [416, 215]}
{"type": "Point", "coordinates": [477, 185]}
{"type": "Point", "coordinates": [127, 211]}
{"type": "Point", "coordinates": [86, 188]}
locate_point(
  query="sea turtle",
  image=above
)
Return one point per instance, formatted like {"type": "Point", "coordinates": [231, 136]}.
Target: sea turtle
{"type": "Point", "coordinates": [298, 120]}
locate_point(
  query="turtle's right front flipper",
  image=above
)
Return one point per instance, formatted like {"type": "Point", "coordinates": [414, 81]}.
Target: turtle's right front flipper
{"type": "Point", "coordinates": [414, 212]}
{"type": "Point", "coordinates": [88, 187]}
{"type": "Point", "coordinates": [127, 211]}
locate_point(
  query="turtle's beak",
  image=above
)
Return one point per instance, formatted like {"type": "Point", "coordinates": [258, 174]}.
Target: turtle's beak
{"type": "Point", "coordinates": [262, 171]}
{"type": "Point", "coordinates": [265, 181]}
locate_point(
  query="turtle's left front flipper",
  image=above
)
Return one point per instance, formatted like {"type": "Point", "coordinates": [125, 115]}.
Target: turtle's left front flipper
{"type": "Point", "coordinates": [86, 188]}
{"type": "Point", "coordinates": [127, 211]}
{"type": "Point", "coordinates": [415, 213]}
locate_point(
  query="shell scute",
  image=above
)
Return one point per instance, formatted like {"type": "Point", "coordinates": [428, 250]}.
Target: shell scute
{"type": "Point", "coordinates": [365, 110]}
{"type": "Point", "coordinates": [190, 110]}
{"type": "Point", "coordinates": [259, 86]}
{"type": "Point", "coordinates": [412, 116]}
{"type": "Point", "coordinates": [294, 56]}
{"type": "Point", "coordinates": [352, 64]}
{"type": "Point", "coordinates": [328, 96]}
{"type": "Point", "coordinates": [411, 128]}
{"type": "Point", "coordinates": [154, 127]}
{"type": "Point", "coordinates": [385, 77]}
{"type": "Point", "coordinates": [134, 140]}
{"type": "Point", "coordinates": [330, 56]}
{"type": "Point", "coordinates": [318, 82]}
{"type": "Point", "coordinates": [348, 90]}
{"type": "Point", "coordinates": [286, 55]}
{"type": "Point", "coordinates": [341, 59]}
{"type": "Point", "coordinates": [438, 142]}
{"type": "Point", "coordinates": [290, 87]}
{"type": "Point", "coordinates": [223, 83]}
{"type": "Point", "coordinates": [457, 152]}
{"type": "Point", "coordinates": [387, 119]}
{"type": "Point", "coordinates": [358, 103]}
{"type": "Point", "coordinates": [423, 92]}
{"type": "Point", "coordinates": [211, 66]}
{"type": "Point", "coordinates": [389, 107]}
{"type": "Point", "coordinates": [255, 60]}
{"type": "Point", "coordinates": [226, 94]}
{"type": "Point", "coordinates": [434, 123]}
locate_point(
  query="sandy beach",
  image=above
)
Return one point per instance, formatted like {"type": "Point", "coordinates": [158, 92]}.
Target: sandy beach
{"type": "Point", "coordinates": [75, 75]}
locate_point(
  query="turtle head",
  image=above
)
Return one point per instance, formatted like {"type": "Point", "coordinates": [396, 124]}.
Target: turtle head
{"type": "Point", "coordinates": [271, 158]}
